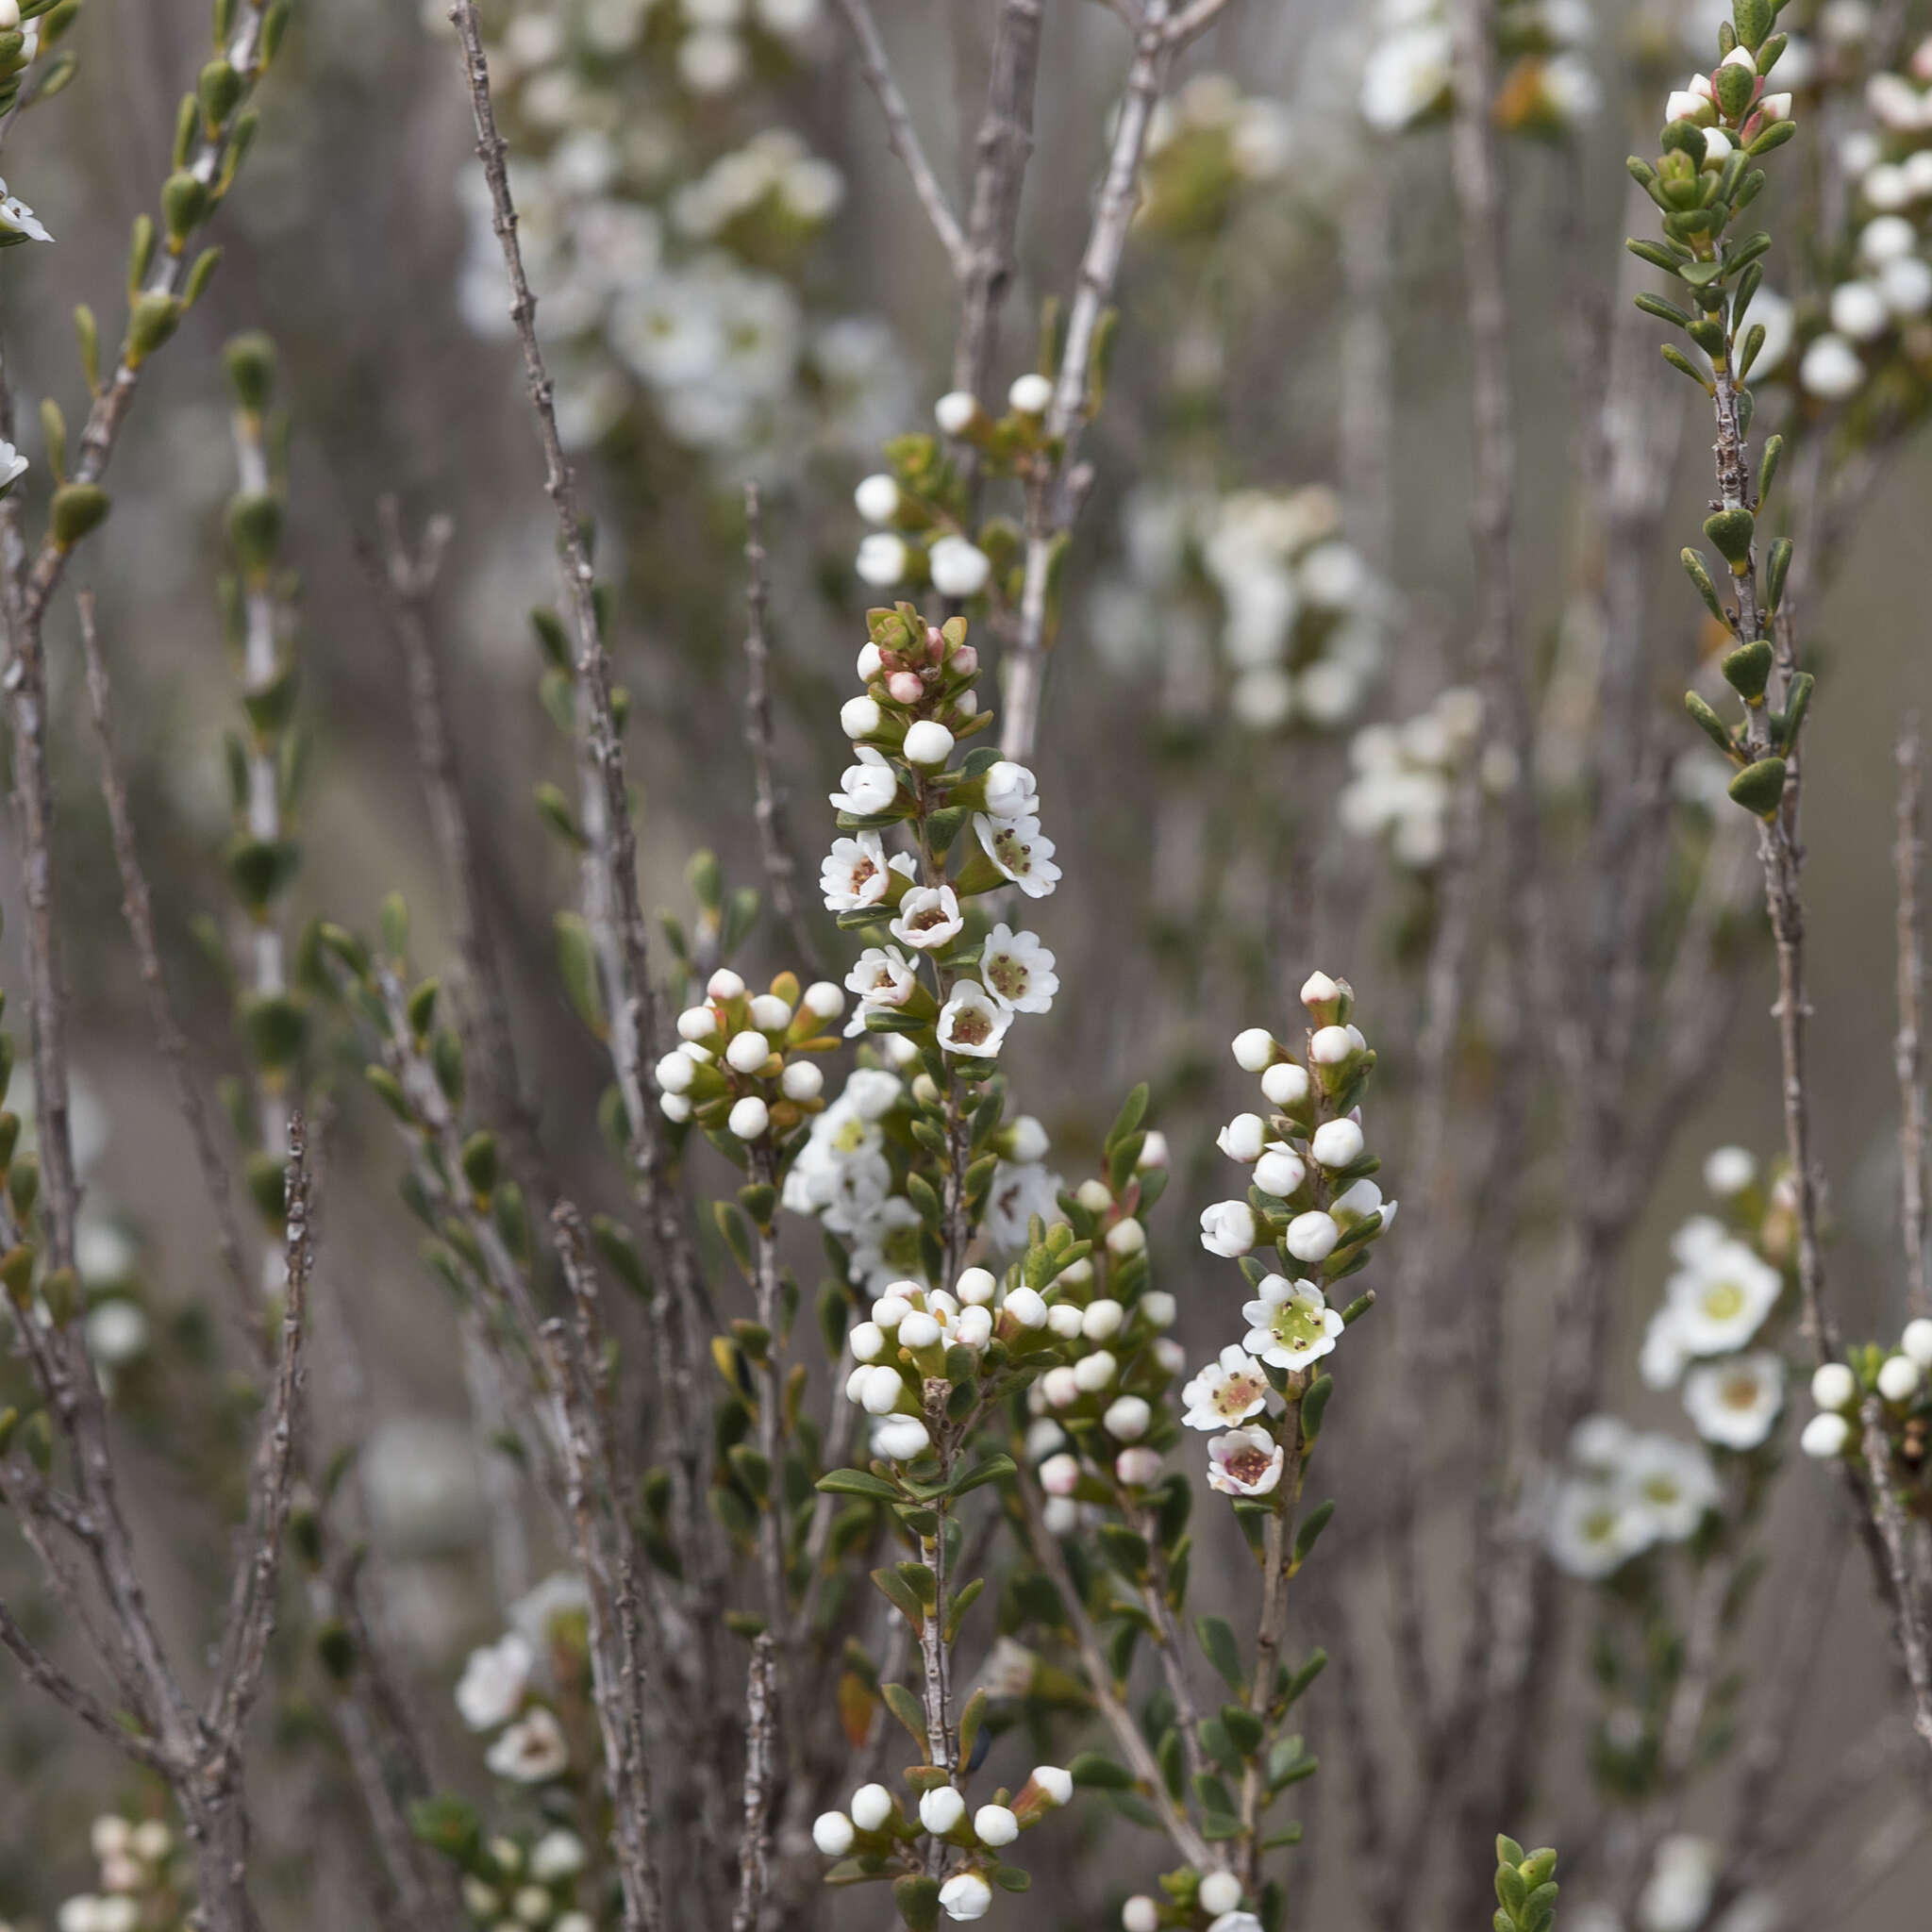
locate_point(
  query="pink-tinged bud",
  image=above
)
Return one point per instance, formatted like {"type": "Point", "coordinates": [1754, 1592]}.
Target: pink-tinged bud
{"type": "Point", "coordinates": [1700, 84]}
{"type": "Point", "coordinates": [905, 687]}
{"type": "Point", "coordinates": [1774, 108]}
{"type": "Point", "coordinates": [966, 660]}
{"type": "Point", "coordinates": [935, 643]}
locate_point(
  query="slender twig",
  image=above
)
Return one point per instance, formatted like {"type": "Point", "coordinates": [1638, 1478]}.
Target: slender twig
{"type": "Point", "coordinates": [1908, 1613]}
{"type": "Point", "coordinates": [902, 136]}
{"type": "Point", "coordinates": [1909, 1053]}
{"type": "Point", "coordinates": [781, 868]}
{"type": "Point", "coordinates": [754, 1854]}
{"type": "Point", "coordinates": [136, 907]}
{"type": "Point", "coordinates": [42, 1671]}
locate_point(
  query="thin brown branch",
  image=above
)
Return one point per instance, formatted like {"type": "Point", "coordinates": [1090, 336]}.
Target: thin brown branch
{"type": "Point", "coordinates": [902, 137]}
{"type": "Point", "coordinates": [44, 1672]}
{"type": "Point", "coordinates": [1909, 1619]}
{"type": "Point", "coordinates": [754, 1856]}
{"type": "Point", "coordinates": [1909, 1050]}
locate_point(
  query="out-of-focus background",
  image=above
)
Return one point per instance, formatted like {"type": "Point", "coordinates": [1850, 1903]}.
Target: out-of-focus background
{"type": "Point", "coordinates": [738, 285]}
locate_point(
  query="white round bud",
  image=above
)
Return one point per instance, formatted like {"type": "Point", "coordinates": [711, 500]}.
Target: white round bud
{"type": "Point", "coordinates": [1141, 1914]}
{"type": "Point", "coordinates": [724, 985]}
{"type": "Point", "coordinates": [1100, 1321]}
{"type": "Point", "coordinates": [1280, 1172]}
{"type": "Point", "coordinates": [867, 1341]}
{"type": "Point", "coordinates": [976, 1287]}
{"type": "Point", "coordinates": [928, 742]}
{"type": "Point", "coordinates": [1917, 1341]}
{"type": "Point", "coordinates": [1030, 394]}
{"type": "Point", "coordinates": [1332, 1046]}
{"type": "Point", "coordinates": [876, 498]}
{"type": "Point", "coordinates": [1318, 990]}
{"type": "Point", "coordinates": [1244, 1136]}
{"type": "Point", "coordinates": [993, 1825]}
{"type": "Point", "coordinates": [1094, 1196]}
{"type": "Point", "coordinates": [883, 559]}
{"type": "Point", "coordinates": [675, 1107]}
{"type": "Point", "coordinates": [858, 717]}
{"type": "Point", "coordinates": [1127, 1418]}
{"type": "Point", "coordinates": [1900, 1379]}
{"type": "Point", "coordinates": [879, 1394]}
{"type": "Point", "coordinates": [965, 1896]}
{"type": "Point", "coordinates": [1060, 1475]}
{"type": "Point", "coordinates": [675, 1072]}
{"type": "Point", "coordinates": [869, 664]}
{"type": "Point", "coordinates": [747, 1052]}
{"type": "Point", "coordinates": [1729, 1171]}
{"type": "Point", "coordinates": [1094, 1372]}
{"type": "Point", "coordinates": [872, 1805]}
{"type": "Point", "coordinates": [1311, 1236]}
{"type": "Point", "coordinates": [1052, 1783]}
{"type": "Point", "coordinates": [955, 411]}
{"type": "Point", "coordinates": [696, 1022]}
{"type": "Point", "coordinates": [1060, 1388]}
{"type": "Point", "coordinates": [769, 1013]}
{"type": "Point", "coordinates": [1221, 1891]}
{"type": "Point", "coordinates": [973, 1327]}
{"type": "Point", "coordinates": [749, 1118]}
{"type": "Point", "coordinates": [1027, 1308]}
{"type": "Point", "coordinates": [940, 1810]}
{"type": "Point", "coordinates": [831, 1832]}
{"type": "Point", "coordinates": [1285, 1084]}
{"type": "Point", "coordinates": [1138, 1465]}
{"type": "Point", "coordinates": [1026, 1140]}
{"type": "Point", "coordinates": [1834, 1386]}
{"type": "Point", "coordinates": [918, 1331]}
{"type": "Point", "coordinates": [900, 1437]}
{"type": "Point", "coordinates": [892, 1307]}
{"type": "Point", "coordinates": [1153, 1152]}
{"type": "Point", "coordinates": [1064, 1318]}
{"type": "Point", "coordinates": [1337, 1143]}
{"type": "Point", "coordinates": [958, 569]}
{"type": "Point", "coordinates": [822, 1000]}
{"type": "Point", "coordinates": [1254, 1049]}
{"type": "Point", "coordinates": [802, 1080]}
{"type": "Point", "coordinates": [1826, 1437]}
{"type": "Point", "coordinates": [1157, 1308]}
{"type": "Point", "coordinates": [1126, 1237]}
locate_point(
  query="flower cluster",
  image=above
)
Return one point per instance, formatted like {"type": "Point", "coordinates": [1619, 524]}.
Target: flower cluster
{"type": "Point", "coordinates": [1717, 1301]}
{"type": "Point", "coordinates": [1626, 1492]}
{"type": "Point", "coordinates": [1312, 1208]}
{"type": "Point", "coordinates": [1409, 78]}
{"type": "Point", "coordinates": [1216, 1894]}
{"type": "Point", "coordinates": [876, 1835]}
{"type": "Point", "coordinates": [512, 1884]}
{"type": "Point", "coordinates": [511, 1687]}
{"type": "Point", "coordinates": [743, 1064]}
{"type": "Point", "coordinates": [665, 273]}
{"type": "Point", "coordinates": [1877, 315]}
{"type": "Point", "coordinates": [1404, 777]}
{"type": "Point", "coordinates": [1897, 1378]}
{"type": "Point", "coordinates": [143, 1887]}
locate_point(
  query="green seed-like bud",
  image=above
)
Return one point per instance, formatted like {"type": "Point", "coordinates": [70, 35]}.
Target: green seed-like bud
{"type": "Point", "coordinates": [221, 88]}
{"type": "Point", "coordinates": [250, 361]}
{"type": "Point", "coordinates": [1759, 788]}
{"type": "Point", "coordinates": [78, 508]}
{"type": "Point", "coordinates": [154, 318]}
{"type": "Point", "coordinates": [60, 1292]}
{"type": "Point", "coordinates": [255, 530]}
{"type": "Point", "coordinates": [1732, 531]}
{"type": "Point", "coordinates": [480, 1164]}
{"type": "Point", "coordinates": [184, 204]}
{"type": "Point", "coordinates": [1797, 702]}
{"type": "Point", "coordinates": [1775, 569]}
{"type": "Point", "coordinates": [277, 1028]}
{"type": "Point", "coordinates": [1747, 670]}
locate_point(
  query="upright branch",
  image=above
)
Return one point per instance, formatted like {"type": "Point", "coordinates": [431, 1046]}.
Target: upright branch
{"type": "Point", "coordinates": [1909, 1051]}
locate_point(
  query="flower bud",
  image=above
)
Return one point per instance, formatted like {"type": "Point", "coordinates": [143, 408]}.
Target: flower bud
{"type": "Point", "coordinates": [1824, 1436]}
{"type": "Point", "coordinates": [1916, 1341]}
{"type": "Point", "coordinates": [1063, 1319]}
{"type": "Point", "coordinates": [1311, 1236]}
{"type": "Point", "coordinates": [1244, 1136]}
{"type": "Point", "coordinates": [1126, 1417]}
{"type": "Point", "coordinates": [1152, 1153]}
{"type": "Point", "coordinates": [928, 742]}
{"type": "Point", "coordinates": [976, 1287]}
{"type": "Point", "coordinates": [1101, 1319]}
{"type": "Point", "coordinates": [973, 1327]}
{"type": "Point", "coordinates": [965, 1896]}
{"type": "Point", "coordinates": [1219, 1891]}
{"type": "Point", "coordinates": [1061, 1387]}
{"type": "Point", "coordinates": [749, 1118]}
{"type": "Point", "coordinates": [1060, 1475]}
{"type": "Point", "coordinates": [872, 1807]}
{"type": "Point", "coordinates": [747, 1052]}
{"type": "Point", "coordinates": [905, 687]}
{"type": "Point", "coordinates": [883, 560]}
{"type": "Point", "coordinates": [892, 1307]}
{"type": "Point", "coordinates": [802, 1080]}
{"type": "Point", "coordinates": [1337, 1144]}
{"type": "Point", "coordinates": [879, 1394]}
{"type": "Point", "coordinates": [1158, 1309]}
{"type": "Point", "coordinates": [1280, 1172]}
{"type": "Point", "coordinates": [1092, 1373]}
{"type": "Point", "coordinates": [993, 1825]}
{"type": "Point", "coordinates": [1899, 1378]}
{"type": "Point", "coordinates": [958, 569]}
{"type": "Point", "coordinates": [867, 1341]}
{"type": "Point", "coordinates": [1052, 1784]}
{"type": "Point", "coordinates": [822, 1000]}
{"type": "Point", "coordinates": [1138, 1466]}
{"type": "Point", "coordinates": [1141, 1914]}
{"type": "Point", "coordinates": [870, 664]}
{"type": "Point", "coordinates": [675, 1072]}
{"type": "Point", "coordinates": [1027, 1308]}
{"type": "Point", "coordinates": [1126, 1237]}
{"type": "Point", "coordinates": [940, 1810]}
{"type": "Point", "coordinates": [1254, 1049]}
{"type": "Point", "coordinates": [900, 1437]}
{"type": "Point", "coordinates": [918, 1331]}
{"type": "Point", "coordinates": [831, 1832]}
{"type": "Point", "coordinates": [696, 1022]}
{"type": "Point", "coordinates": [858, 717]}
{"type": "Point", "coordinates": [1834, 1386]}
{"type": "Point", "coordinates": [877, 499]}
{"type": "Point", "coordinates": [1322, 997]}
{"type": "Point", "coordinates": [955, 411]}
{"type": "Point", "coordinates": [1094, 1196]}
{"type": "Point", "coordinates": [724, 985]}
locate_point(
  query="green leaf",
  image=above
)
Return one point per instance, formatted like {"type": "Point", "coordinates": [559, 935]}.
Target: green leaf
{"type": "Point", "coordinates": [1095, 1770]}
{"type": "Point", "coordinates": [1219, 1645]}
{"type": "Point", "coordinates": [856, 1482]}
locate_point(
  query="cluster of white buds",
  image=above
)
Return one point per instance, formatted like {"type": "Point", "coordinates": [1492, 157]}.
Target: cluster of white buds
{"type": "Point", "coordinates": [917, 1336]}
{"type": "Point", "coordinates": [513, 1886]}
{"type": "Point", "coordinates": [1405, 776]}
{"type": "Point", "coordinates": [1216, 1895]}
{"type": "Point", "coordinates": [1409, 78]}
{"type": "Point", "coordinates": [1897, 1376]}
{"type": "Point", "coordinates": [1312, 1208]}
{"type": "Point", "coordinates": [919, 511]}
{"type": "Point", "coordinates": [1881, 309]}
{"type": "Point", "coordinates": [1707, 1335]}
{"type": "Point", "coordinates": [743, 1062]}
{"type": "Point", "coordinates": [876, 1834]}
{"type": "Point", "coordinates": [140, 1885]}
{"type": "Point", "coordinates": [918, 705]}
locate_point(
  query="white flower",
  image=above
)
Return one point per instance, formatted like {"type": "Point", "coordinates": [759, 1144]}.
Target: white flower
{"type": "Point", "coordinates": [1899, 1378]}
{"type": "Point", "coordinates": [1020, 1190]}
{"type": "Point", "coordinates": [1407, 74]}
{"type": "Point", "coordinates": [1824, 1436]}
{"type": "Point", "coordinates": [117, 1332]}
{"type": "Point", "coordinates": [1290, 1325]}
{"type": "Point", "coordinates": [1888, 239]}
{"type": "Point", "coordinates": [1226, 1392]}
{"type": "Point", "coordinates": [1858, 311]}
{"type": "Point", "coordinates": [1729, 1171]}
{"type": "Point", "coordinates": [531, 1751]}
{"type": "Point", "coordinates": [872, 1805]}
{"type": "Point", "coordinates": [1591, 1531]}
{"type": "Point", "coordinates": [1311, 1236]}
{"type": "Point", "coordinates": [1916, 1341]}
{"type": "Point", "coordinates": [973, 1021]}
{"type": "Point", "coordinates": [1243, 1138]}
{"type": "Point", "coordinates": [1236, 1921]}
{"type": "Point", "coordinates": [1244, 1462]}
{"type": "Point", "coordinates": [877, 499]}
{"type": "Point", "coordinates": [965, 1896]}
{"type": "Point", "coordinates": [749, 1118]}
{"type": "Point", "coordinates": [18, 219]}
{"type": "Point", "coordinates": [1019, 851]}
{"type": "Point", "coordinates": [1671, 1483]}
{"type": "Point", "coordinates": [1663, 1356]}
{"type": "Point", "coordinates": [884, 977]}
{"type": "Point", "coordinates": [1719, 1301]}
{"type": "Point", "coordinates": [928, 742]}
{"type": "Point", "coordinates": [940, 1810]}
{"type": "Point", "coordinates": [491, 1690]}
{"type": "Point", "coordinates": [1831, 369]}
{"type": "Point", "coordinates": [13, 466]}
{"type": "Point", "coordinates": [929, 917]}
{"type": "Point", "coordinates": [1219, 1893]}
{"type": "Point", "coordinates": [1017, 971]}
{"type": "Point", "coordinates": [1337, 1144]}
{"type": "Point", "coordinates": [1030, 394]}
{"type": "Point", "coordinates": [853, 875]}
{"type": "Point", "coordinates": [955, 411]}
{"type": "Point", "coordinates": [958, 569]}
{"type": "Point", "coordinates": [1227, 1228]}
{"type": "Point", "coordinates": [1011, 790]}
{"type": "Point", "coordinates": [1906, 283]}
{"type": "Point", "coordinates": [1735, 1402]}
{"type": "Point", "coordinates": [869, 785]}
